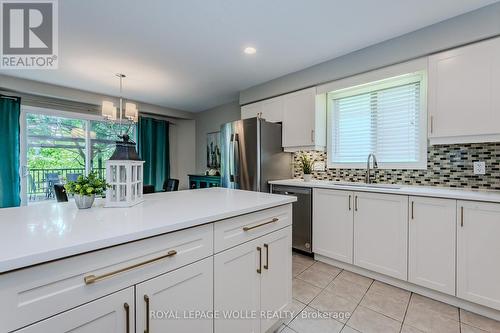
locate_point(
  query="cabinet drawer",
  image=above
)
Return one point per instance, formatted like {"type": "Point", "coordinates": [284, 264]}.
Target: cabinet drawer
{"type": "Point", "coordinates": [240, 229]}
{"type": "Point", "coordinates": [110, 314]}
{"type": "Point", "coordinates": [35, 293]}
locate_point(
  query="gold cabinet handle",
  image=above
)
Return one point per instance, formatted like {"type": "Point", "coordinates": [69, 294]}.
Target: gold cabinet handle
{"type": "Point", "coordinates": [89, 279]}
{"type": "Point", "coordinates": [146, 299]}
{"type": "Point", "coordinates": [462, 216]}
{"type": "Point", "coordinates": [259, 270]}
{"type": "Point", "coordinates": [274, 220]}
{"type": "Point", "coordinates": [127, 317]}
{"type": "Point", "coordinates": [266, 266]}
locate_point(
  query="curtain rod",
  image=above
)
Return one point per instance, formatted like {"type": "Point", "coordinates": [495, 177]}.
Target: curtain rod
{"type": "Point", "coordinates": [16, 98]}
{"type": "Point", "coordinates": [159, 117]}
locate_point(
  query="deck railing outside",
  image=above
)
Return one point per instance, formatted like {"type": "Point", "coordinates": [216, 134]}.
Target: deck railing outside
{"type": "Point", "coordinates": [41, 181]}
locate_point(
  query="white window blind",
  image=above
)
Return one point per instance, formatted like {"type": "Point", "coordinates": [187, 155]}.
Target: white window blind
{"type": "Point", "coordinates": [384, 119]}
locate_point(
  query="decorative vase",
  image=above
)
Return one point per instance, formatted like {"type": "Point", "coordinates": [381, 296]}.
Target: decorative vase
{"type": "Point", "coordinates": [84, 201]}
{"type": "Point", "coordinates": [308, 177]}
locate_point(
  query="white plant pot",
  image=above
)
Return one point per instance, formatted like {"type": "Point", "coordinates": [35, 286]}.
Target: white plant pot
{"type": "Point", "coordinates": [84, 201]}
{"type": "Point", "coordinates": [308, 177]}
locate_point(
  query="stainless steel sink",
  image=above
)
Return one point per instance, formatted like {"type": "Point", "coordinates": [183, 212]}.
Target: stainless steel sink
{"type": "Point", "coordinates": [388, 186]}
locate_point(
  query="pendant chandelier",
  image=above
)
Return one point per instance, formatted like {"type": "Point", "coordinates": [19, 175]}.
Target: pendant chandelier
{"type": "Point", "coordinates": [109, 110]}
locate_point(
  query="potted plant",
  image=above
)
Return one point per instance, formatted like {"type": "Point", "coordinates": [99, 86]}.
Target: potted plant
{"type": "Point", "coordinates": [85, 189]}
{"type": "Point", "coordinates": [306, 163]}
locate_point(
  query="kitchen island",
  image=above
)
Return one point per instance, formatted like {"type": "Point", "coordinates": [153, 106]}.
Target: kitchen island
{"type": "Point", "coordinates": [188, 261]}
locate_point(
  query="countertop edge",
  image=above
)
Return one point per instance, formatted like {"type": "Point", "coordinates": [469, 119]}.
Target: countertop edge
{"type": "Point", "coordinates": [13, 264]}
{"type": "Point", "coordinates": [434, 192]}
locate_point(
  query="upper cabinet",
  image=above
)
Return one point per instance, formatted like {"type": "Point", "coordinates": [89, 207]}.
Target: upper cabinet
{"type": "Point", "coordinates": [304, 121]}
{"type": "Point", "coordinates": [269, 109]}
{"type": "Point", "coordinates": [464, 103]}
{"type": "Point", "coordinates": [302, 114]}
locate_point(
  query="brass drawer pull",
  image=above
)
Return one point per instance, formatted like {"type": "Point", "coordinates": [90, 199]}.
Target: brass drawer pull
{"type": "Point", "coordinates": [274, 220]}
{"type": "Point", "coordinates": [259, 270]}
{"type": "Point", "coordinates": [146, 299]}
{"type": "Point", "coordinates": [127, 317]}
{"type": "Point", "coordinates": [89, 279]}
{"type": "Point", "coordinates": [266, 266]}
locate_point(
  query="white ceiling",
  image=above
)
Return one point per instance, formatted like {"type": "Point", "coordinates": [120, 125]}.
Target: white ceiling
{"type": "Point", "coordinates": [187, 54]}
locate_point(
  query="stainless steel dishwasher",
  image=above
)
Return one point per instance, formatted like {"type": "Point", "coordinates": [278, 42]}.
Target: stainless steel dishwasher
{"type": "Point", "coordinates": [302, 215]}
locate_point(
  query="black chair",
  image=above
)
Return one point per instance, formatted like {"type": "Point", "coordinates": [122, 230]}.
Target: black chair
{"type": "Point", "coordinates": [148, 189]}
{"type": "Point", "coordinates": [171, 185]}
{"type": "Point", "coordinates": [60, 192]}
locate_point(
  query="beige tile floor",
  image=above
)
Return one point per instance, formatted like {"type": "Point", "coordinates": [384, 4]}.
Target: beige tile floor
{"type": "Point", "coordinates": [374, 307]}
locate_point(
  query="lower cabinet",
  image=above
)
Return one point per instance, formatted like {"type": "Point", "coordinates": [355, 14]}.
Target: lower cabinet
{"type": "Point", "coordinates": [253, 277]}
{"type": "Point", "coordinates": [110, 314]}
{"type": "Point", "coordinates": [381, 233]}
{"type": "Point", "coordinates": [432, 243]}
{"type": "Point", "coordinates": [168, 302]}
{"type": "Point", "coordinates": [478, 253]}
{"type": "Point", "coordinates": [333, 224]}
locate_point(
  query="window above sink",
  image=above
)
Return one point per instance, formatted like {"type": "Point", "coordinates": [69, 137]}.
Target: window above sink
{"type": "Point", "coordinates": [384, 115]}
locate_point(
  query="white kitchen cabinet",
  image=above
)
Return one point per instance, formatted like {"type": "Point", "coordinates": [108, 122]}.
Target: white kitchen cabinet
{"type": "Point", "coordinates": [381, 233]}
{"type": "Point", "coordinates": [237, 287]}
{"type": "Point", "coordinates": [304, 120]}
{"type": "Point", "coordinates": [432, 243]}
{"type": "Point", "coordinates": [251, 277]}
{"type": "Point", "coordinates": [276, 281]}
{"type": "Point", "coordinates": [478, 253]}
{"type": "Point", "coordinates": [270, 109]}
{"type": "Point", "coordinates": [333, 224]}
{"type": "Point", "coordinates": [464, 104]}
{"type": "Point", "coordinates": [110, 314]}
{"type": "Point", "coordinates": [176, 295]}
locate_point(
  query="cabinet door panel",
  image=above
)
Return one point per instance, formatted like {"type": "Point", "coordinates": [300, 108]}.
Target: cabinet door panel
{"type": "Point", "coordinates": [381, 233]}
{"type": "Point", "coordinates": [276, 283]}
{"type": "Point", "coordinates": [333, 224]}
{"type": "Point", "coordinates": [272, 109]}
{"type": "Point", "coordinates": [432, 243]}
{"type": "Point", "coordinates": [299, 118]}
{"type": "Point", "coordinates": [189, 288]}
{"type": "Point", "coordinates": [463, 85]}
{"type": "Point", "coordinates": [478, 252]}
{"type": "Point", "coordinates": [107, 314]}
{"type": "Point", "coordinates": [251, 110]}
{"type": "Point", "coordinates": [237, 287]}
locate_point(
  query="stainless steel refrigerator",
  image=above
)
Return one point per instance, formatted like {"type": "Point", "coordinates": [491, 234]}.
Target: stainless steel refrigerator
{"type": "Point", "coordinates": [251, 155]}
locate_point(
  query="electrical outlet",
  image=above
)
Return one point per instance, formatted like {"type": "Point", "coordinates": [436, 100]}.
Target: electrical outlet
{"type": "Point", "coordinates": [479, 168]}
{"type": "Point", "coordinates": [319, 166]}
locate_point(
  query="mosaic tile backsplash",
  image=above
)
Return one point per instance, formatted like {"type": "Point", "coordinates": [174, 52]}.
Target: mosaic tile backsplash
{"type": "Point", "coordinates": [447, 166]}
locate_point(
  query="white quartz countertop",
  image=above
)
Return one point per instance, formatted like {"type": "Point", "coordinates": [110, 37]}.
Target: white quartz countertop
{"type": "Point", "coordinates": [423, 191]}
{"type": "Point", "coordinates": [48, 231]}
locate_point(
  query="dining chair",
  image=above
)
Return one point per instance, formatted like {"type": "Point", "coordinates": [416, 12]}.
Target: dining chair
{"type": "Point", "coordinates": [171, 185]}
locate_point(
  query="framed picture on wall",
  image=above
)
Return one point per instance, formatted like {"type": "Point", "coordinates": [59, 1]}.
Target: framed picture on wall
{"type": "Point", "coordinates": [213, 150]}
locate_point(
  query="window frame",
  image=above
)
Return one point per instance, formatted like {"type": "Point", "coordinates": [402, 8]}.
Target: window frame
{"type": "Point", "coordinates": [418, 76]}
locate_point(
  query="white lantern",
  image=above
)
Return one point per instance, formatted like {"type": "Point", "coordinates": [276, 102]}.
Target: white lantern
{"type": "Point", "coordinates": [125, 180]}
{"type": "Point", "coordinates": [124, 174]}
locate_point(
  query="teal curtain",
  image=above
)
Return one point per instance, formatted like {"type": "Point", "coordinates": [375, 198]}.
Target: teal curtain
{"type": "Point", "coordinates": [153, 148]}
{"type": "Point", "coordinates": [10, 182]}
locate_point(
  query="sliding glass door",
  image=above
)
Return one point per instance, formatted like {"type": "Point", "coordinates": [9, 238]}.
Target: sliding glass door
{"type": "Point", "coordinates": [57, 147]}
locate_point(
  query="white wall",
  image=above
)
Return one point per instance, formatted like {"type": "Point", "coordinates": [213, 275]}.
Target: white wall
{"type": "Point", "coordinates": [210, 121]}
{"type": "Point", "coordinates": [182, 151]}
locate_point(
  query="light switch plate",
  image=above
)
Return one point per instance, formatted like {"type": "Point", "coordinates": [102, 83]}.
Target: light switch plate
{"type": "Point", "coordinates": [479, 168]}
{"type": "Point", "coordinates": [319, 166]}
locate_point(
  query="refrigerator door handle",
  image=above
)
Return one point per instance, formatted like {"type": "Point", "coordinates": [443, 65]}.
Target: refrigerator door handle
{"type": "Point", "coordinates": [236, 159]}
{"type": "Point", "coordinates": [231, 159]}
